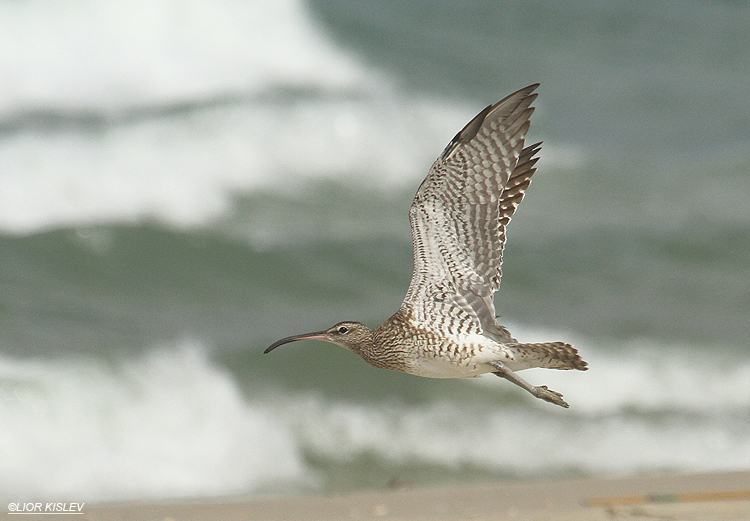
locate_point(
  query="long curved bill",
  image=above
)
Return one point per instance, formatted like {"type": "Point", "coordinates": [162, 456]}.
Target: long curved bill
{"type": "Point", "coordinates": [318, 335]}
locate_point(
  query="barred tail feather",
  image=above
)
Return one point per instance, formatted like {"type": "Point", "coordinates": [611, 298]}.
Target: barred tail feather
{"type": "Point", "coordinates": [550, 355]}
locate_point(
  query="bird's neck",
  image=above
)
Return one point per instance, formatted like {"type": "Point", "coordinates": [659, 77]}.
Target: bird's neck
{"type": "Point", "coordinates": [387, 347]}
{"type": "Point", "coordinates": [363, 347]}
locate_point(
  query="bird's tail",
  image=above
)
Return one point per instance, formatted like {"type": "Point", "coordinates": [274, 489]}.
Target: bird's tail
{"type": "Point", "coordinates": [550, 355]}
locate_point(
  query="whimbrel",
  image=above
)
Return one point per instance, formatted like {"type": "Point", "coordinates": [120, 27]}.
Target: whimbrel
{"type": "Point", "coordinates": [446, 326]}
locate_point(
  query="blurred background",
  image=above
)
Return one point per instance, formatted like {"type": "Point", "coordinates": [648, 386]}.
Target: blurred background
{"type": "Point", "coordinates": [184, 182]}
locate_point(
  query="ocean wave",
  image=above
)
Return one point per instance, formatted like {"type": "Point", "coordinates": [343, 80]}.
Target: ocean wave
{"type": "Point", "coordinates": [185, 169]}
{"type": "Point", "coordinates": [110, 56]}
{"type": "Point", "coordinates": [173, 423]}
{"type": "Point", "coordinates": [155, 134]}
{"type": "Point", "coordinates": [237, 175]}
{"type": "Point", "coordinates": [166, 424]}
{"type": "Point", "coordinates": [521, 442]}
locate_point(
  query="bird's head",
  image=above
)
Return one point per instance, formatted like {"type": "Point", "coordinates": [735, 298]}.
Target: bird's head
{"type": "Point", "coordinates": [353, 336]}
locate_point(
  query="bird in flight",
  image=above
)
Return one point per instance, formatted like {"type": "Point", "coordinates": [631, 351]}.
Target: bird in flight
{"type": "Point", "coordinates": [446, 326]}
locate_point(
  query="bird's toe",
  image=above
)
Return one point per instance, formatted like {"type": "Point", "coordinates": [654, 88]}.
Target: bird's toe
{"type": "Point", "coordinates": [549, 395]}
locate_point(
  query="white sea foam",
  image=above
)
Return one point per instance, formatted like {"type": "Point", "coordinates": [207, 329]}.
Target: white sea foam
{"type": "Point", "coordinates": [183, 168]}
{"type": "Point", "coordinates": [111, 55]}
{"type": "Point", "coordinates": [523, 441]}
{"type": "Point", "coordinates": [168, 424]}
{"type": "Point", "coordinates": [185, 172]}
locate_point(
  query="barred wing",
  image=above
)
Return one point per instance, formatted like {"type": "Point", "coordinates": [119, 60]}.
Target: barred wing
{"type": "Point", "coordinates": [459, 215]}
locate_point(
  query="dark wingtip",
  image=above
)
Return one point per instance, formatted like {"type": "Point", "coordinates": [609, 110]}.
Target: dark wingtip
{"type": "Point", "coordinates": [471, 129]}
{"type": "Point", "coordinates": [467, 133]}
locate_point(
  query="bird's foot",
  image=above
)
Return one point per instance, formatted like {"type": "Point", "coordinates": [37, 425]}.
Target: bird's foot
{"type": "Point", "coordinates": [548, 395]}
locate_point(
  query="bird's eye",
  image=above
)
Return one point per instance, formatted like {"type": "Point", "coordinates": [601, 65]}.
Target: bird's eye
{"type": "Point", "coordinates": [343, 329]}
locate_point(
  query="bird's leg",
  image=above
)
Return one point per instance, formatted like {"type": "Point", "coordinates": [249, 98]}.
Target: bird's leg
{"type": "Point", "coordinates": [540, 392]}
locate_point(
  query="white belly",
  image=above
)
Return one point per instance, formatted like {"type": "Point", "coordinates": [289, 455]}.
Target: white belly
{"type": "Point", "coordinates": [443, 368]}
{"type": "Point", "coordinates": [473, 363]}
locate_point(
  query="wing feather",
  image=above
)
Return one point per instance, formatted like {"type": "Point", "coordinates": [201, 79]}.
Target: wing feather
{"type": "Point", "coordinates": [459, 216]}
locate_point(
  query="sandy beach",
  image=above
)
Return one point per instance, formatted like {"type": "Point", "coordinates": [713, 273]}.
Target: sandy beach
{"type": "Point", "coordinates": [708, 496]}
